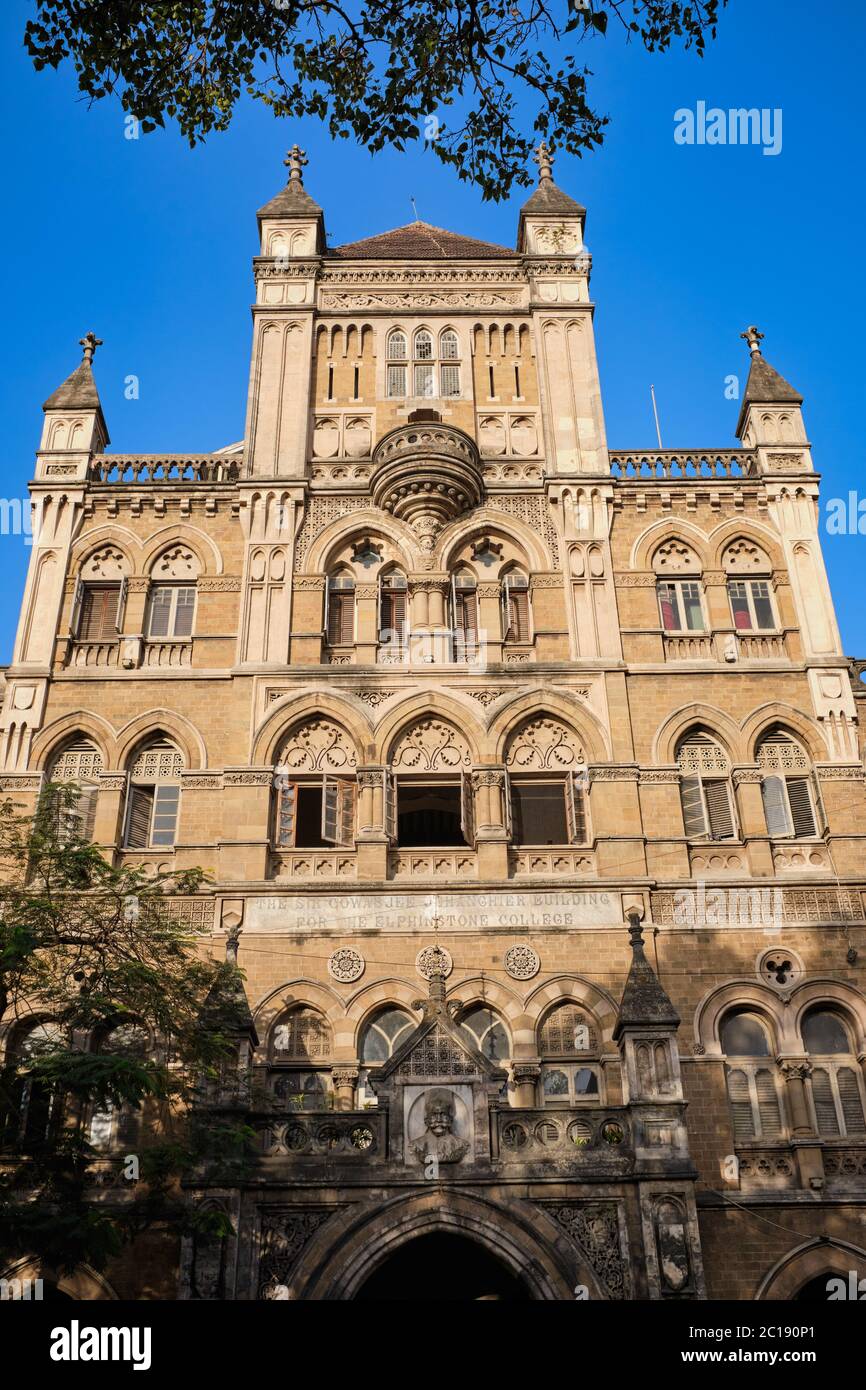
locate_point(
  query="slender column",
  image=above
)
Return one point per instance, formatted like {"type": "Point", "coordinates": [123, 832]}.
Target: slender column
{"type": "Point", "coordinates": [344, 1079]}
{"type": "Point", "coordinates": [795, 1074]}
{"type": "Point", "coordinates": [525, 1076]}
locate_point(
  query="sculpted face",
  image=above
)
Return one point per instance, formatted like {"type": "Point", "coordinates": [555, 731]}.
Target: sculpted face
{"type": "Point", "coordinates": [439, 1113]}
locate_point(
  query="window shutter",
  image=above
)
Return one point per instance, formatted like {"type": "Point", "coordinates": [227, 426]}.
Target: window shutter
{"type": "Point", "coordinates": [719, 810]}
{"type": "Point", "coordinates": [740, 1101]}
{"type": "Point", "coordinates": [694, 814]}
{"type": "Point", "coordinates": [160, 613]}
{"type": "Point", "coordinates": [85, 813]}
{"type": "Point", "coordinates": [348, 792]}
{"type": "Point", "coordinates": [507, 808]}
{"type": "Point", "coordinates": [802, 813]}
{"type": "Point", "coordinates": [165, 811]}
{"type": "Point", "coordinates": [768, 1104]}
{"type": "Point", "coordinates": [467, 808]}
{"type": "Point", "coordinates": [775, 807]}
{"type": "Point", "coordinates": [851, 1101]}
{"type": "Point", "coordinates": [818, 803]}
{"type": "Point", "coordinates": [825, 1105]}
{"type": "Point", "coordinates": [575, 809]}
{"type": "Point", "coordinates": [120, 610]}
{"type": "Point", "coordinates": [139, 817]}
{"type": "Point", "coordinates": [347, 617]}
{"type": "Point", "coordinates": [330, 808]}
{"type": "Point", "coordinates": [183, 612]}
{"type": "Point", "coordinates": [520, 614]}
{"type": "Point", "coordinates": [398, 600]}
{"type": "Point", "coordinates": [75, 615]}
{"type": "Point", "coordinates": [389, 804]}
{"type": "Point", "coordinates": [287, 801]}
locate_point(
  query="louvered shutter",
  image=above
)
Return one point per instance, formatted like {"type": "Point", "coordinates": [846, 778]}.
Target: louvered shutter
{"type": "Point", "coordinates": [287, 801]}
{"type": "Point", "coordinates": [183, 612]}
{"type": "Point", "coordinates": [802, 814]}
{"type": "Point", "coordinates": [348, 794]}
{"type": "Point", "coordinates": [330, 808]}
{"type": "Point", "coordinates": [768, 1104]}
{"type": "Point", "coordinates": [139, 817]}
{"type": "Point", "coordinates": [338, 810]}
{"type": "Point", "coordinates": [507, 807]}
{"type": "Point", "coordinates": [740, 1101]}
{"type": "Point", "coordinates": [851, 1101]}
{"type": "Point", "coordinates": [75, 615]}
{"type": "Point", "coordinates": [694, 815]}
{"type": "Point", "coordinates": [389, 805]}
{"type": "Point", "coordinates": [467, 808]}
{"type": "Point", "coordinates": [334, 618]}
{"type": "Point", "coordinates": [825, 1105]}
{"type": "Point", "coordinates": [775, 807]}
{"type": "Point", "coordinates": [818, 803]}
{"type": "Point", "coordinates": [718, 801]}
{"type": "Point", "coordinates": [120, 610]}
{"type": "Point", "coordinates": [575, 809]}
{"type": "Point", "coordinates": [85, 813]}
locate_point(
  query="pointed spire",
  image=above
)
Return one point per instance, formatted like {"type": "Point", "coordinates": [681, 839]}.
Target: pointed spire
{"type": "Point", "coordinates": [293, 200]}
{"type": "Point", "coordinates": [544, 160]}
{"type": "Point", "coordinates": [548, 200]}
{"type": "Point", "coordinates": [644, 1002]}
{"type": "Point", "coordinates": [765, 385]}
{"type": "Point", "coordinates": [78, 391]}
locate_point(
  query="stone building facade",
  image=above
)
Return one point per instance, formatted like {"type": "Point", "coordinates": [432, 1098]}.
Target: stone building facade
{"type": "Point", "coordinates": [528, 775]}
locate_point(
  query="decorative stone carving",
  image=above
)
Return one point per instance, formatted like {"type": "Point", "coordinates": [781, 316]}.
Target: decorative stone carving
{"type": "Point", "coordinates": [346, 965]}
{"type": "Point", "coordinates": [743, 556]}
{"type": "Point", "coordinates": [426, 475]}
{"type": "Point", "coordinates": [451, 299]}
{"type": "Point", "coordinates": [431, 745]}
{"type": "Point", "coordinates": [439, 1142]}
{"type": "Point", "coordinates": [218, 584]}
{"type": "Point", "coordinates": [486, 697]}
{"type": "Point", "coordinates": [522, 962]}
{"type": "Point", "coordinates": [670, 1225]}
{"type": "Point", "coordinates": [535, 512]}
{"type": "Point", "coordinates": [437, 1055]}
{"type": "Point", "coordinates": [675, 557]}
{"type": "Point", "coordinates": [374, 698]}
{"type": "Point", "coordinates": [106, 563]}
{"type": "Point", "coordinates": [178, 562]}
{"type": "Point", "coordinates": [285, 1232]}
{"type": "Point", "coordinates": [544, 743]}
{"type": "Point", "coordinates": [434, 960]}
{"type": "Point", "coordinates": [594, 1227]}
{"type": "Point", "coordinates": [317, 746]}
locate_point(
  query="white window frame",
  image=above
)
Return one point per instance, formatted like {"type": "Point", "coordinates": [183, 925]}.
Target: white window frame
{"type": "Point", "coordinates": [174, 589]}
{"type": "Point", "coordinates": [750, 601]}
{"type": "Point", "coordinates": [677, 585]}
{"type": "Point", "coordinates": [574, 786]}
{"type": "Point", "coordinates": [571, 1101]}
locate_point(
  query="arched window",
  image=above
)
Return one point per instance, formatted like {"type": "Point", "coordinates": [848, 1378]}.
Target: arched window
{"type": "Point", "coordinates": [340, 614]}
{"type": "Point", "coordinates": [546, 785]}
{"type": "Point", "coordinates": [396, 366]}
{"type": "Point", "coordinates": [449, 370]}
{"type": "Point", "coordinates": [30, 1108]}
{"type": "Point", "coordinates": [567, 1043]}
{"type": "Point", "coordinates": [315, 786]}
{"type": "Point", "coordinates": [485, 1030]}
{"type": "Point", "coordinates": [119, 1126]}
{"type": "Point", "coordinates": [393, 614]}
{"type": "Point", "coordinates": [382, 1035]}
{"type": "Point", "coordinates": [423, 345]}
{"type": "Point", "coordinates": [299, 1057]}
{"type": "Point", "coordinates": [153, 800]}
{"type": "Point", "coordinates": [449, 349]}
{"type": "Point", "coordinates": [515, 607]}
{"type": "Point", "coordinates": [170, 611]}
{"type": "Point", "coordinates": [751, 1082]}
{"type": "Point", "coordinates": [705, 789]}
{"type": "Point", "coordinates": [835, 1085]}
{"type": "Point", "coordinates": [464, 609]}
{"type": "Point", "coordinates": [79, 762]}
{"type": "Point", "coordinates": [792, 799]}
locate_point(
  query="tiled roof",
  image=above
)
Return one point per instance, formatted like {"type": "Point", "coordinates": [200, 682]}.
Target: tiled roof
{"type": "Point", "coordinates": [419, 241]}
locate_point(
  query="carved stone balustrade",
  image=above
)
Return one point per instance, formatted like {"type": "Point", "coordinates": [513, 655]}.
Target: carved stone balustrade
{"type": "Point", "coordinates": [346, 1136]}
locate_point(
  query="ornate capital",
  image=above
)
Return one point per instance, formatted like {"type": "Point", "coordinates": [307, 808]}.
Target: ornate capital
{"type": "Point", "coordinates": [344, 1076]}
{"type": "Point", "coordinates": [743, 775]}
{"type": "Point", "coordinates": [488, 777]}
{"type": "Point", "coordinates": [796, 1071]}
{"type": "Point", "coordinates": [525, 1073]}
{"type": "Point", "coordinates": [312, 582]}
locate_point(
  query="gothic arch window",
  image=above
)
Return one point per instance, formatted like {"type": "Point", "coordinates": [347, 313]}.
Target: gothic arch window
{"type": "Point", "coordinates": [753, 1096]}
{"type": "Point", "coordinates": [119, 1126]}
{"type": "Point", "coordinates": [485, 1030]}
{"type": "Point", "coordinates": [835, 1084]}
{"type": "Point", "coordinates": [705, 788]}
{"type": "Point", "coordinates": [299, 1056]}
{"type": "Point", "coordinates": [393, 614]}
{"type": "Point", "coordinates": [315, 788]}
{"type": "Point", "coordinates": [449, 359]}
{"type": "Point", "coordinates": [340, 609]}
{"type": "Point", "coordinates": [678, 587]}
{"type": "Point", "coordinates": [380, 1038]}
{"type": "Point", "coordinates": [153, 798]}
{"type": "Point", "coordinates": [428, 796]}
{"type": "Point", "coordinates": [793, 808]}
{"type": "Point", "coordinates": [568, 1048]}
{"type": "Point", "coordinates": [396, 363]}
{"type": "Point", "coordinates": [516, 613]}
{"type": "Point", "coordinates": [78, 762]}
{"type": "Point", "coordinates": [748, 571]}
{"type": "Point", "coordinates": [30, 1108]}
{"type": "Point", "coordinates": [99, 601]}
{"type": "Point", "coordinates": [546, 785]}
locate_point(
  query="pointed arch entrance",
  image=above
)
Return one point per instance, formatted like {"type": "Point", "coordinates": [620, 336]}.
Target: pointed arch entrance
{"type": "Point", "coordinates": [516, 1253]}
{"type": "Point", "coordinates": [442, 1266]}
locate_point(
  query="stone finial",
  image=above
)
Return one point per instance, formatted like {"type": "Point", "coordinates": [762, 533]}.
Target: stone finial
{"type": "Point", "coordinates": [544, 160]}
{"type": "Point", "coordinates": [294, 162]}
{"type": "Point", "coordinates": [233, 938]}
{"type": "Point", "coordinates": [89, 343]}
{"type": "Point", "coordinates": [754, 338]}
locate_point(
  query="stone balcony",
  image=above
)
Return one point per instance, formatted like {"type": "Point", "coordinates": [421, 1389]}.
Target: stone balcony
{"type": "Point", "coordinates": [682, 465]}
{"type": "Point", "coordinates": [348, 1136]}
{"type": "Point", "coordinates": [581, 1143]}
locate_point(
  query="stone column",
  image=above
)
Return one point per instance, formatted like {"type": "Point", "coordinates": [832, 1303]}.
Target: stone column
{"type": "Point", "coordinates": [344, 1079]}
{"type": "Point", "coordinates": [366, 623]}
{"type": "Point", "coordinates": [795, 1074]}
{"type": "Point", "coordinates": [490, 634]}
{"type": "Point", "coordinates": [753, 826]}
{"type": "Point", "coordinates": [491, 838]}
{"type": "Point", "coordinates": [525, 1076]}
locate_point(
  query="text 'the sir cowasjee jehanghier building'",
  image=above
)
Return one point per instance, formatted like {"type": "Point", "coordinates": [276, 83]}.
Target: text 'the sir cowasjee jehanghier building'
{"type": "Point", "coordinates": [528, 774]}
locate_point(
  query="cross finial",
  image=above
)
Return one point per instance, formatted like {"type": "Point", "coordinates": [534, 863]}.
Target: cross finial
{"type": "Point", "coordinates": [544, 160]}
{"type": "Point", "coordinates": [753, 338]}
{"type": "Point", "coordinates": [90, 343]}
{"type": "Point", "coordinates": [294, 162]}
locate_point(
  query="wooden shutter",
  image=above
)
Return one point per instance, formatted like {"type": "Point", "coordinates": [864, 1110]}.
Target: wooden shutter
{"type": "Point", "coordinates": [575, 809]}
{"type": "Point", "coordinates": [851, 1101]}
{"type": "Point", "coordinates": [338, 810]}
{"type": "Point", "coordinates": [802, 814]}
{"type": "Point", "coordinates": [183, 613]}
{"type": "Point", "coordinates": [718, 802]}
{"type": "Point", "coordinates": [740, 1101]}
{"type": "Point", "coordinates": [775, 807]}
{"type": "Point", "coordinates": [139, 817]}
{"type": "Point", "coordinates": [508, 811]}
{"type": "Point", "coordinates": [99, 607]}
{"type": "Point", "coordinates": [348, 795]}
{"type": "Point", "coordinates": [818, 803]}
{"type": "Point", "coordinates": [160, 613]}
{"type": "Point", "coordinates": [287, 804]}
{"type": "Point", "coordinates": [768, 1104]}
{"type": "Point", "coordinates": [467, 808]}
{"type": "Point", "coordinates": [825, 1105]}
{"type": "Point", "coordinates": [694, 813]}
{"type": "Point", "coordinates": [389, 805]}
{"type": "Point", "coordinates": [120, 610]}
{"type": "Point", "coordinates": [165, 811]}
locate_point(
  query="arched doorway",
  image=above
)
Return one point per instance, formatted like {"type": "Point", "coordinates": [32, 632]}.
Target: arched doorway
{"type": "Point", "coordinates": [804, 1274]}
{"type": "Point", "coordinates": [442, 1267]}
{"type": "Point", "coordinates": [817, 1289]}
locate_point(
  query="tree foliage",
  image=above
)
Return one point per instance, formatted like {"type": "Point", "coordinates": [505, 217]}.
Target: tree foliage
{"type": "Point", "coordinates": [383, 72]}
{"type": "Point", "coordinates": [98, 951]}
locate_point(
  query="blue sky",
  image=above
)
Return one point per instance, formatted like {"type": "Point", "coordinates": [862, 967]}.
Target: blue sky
{"type": "Point", "coordinates": [149, 243]}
